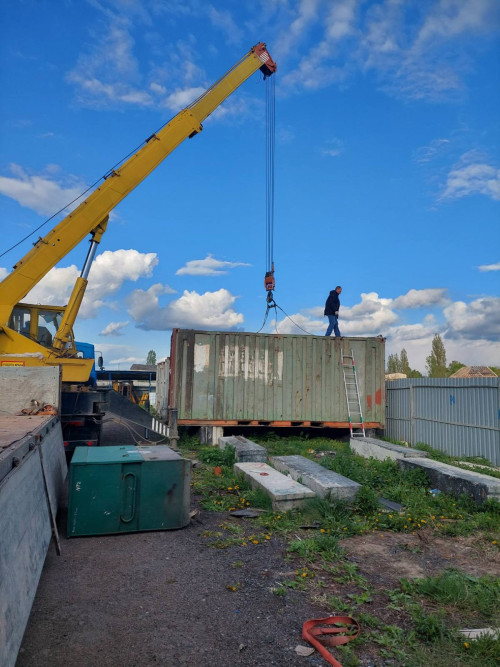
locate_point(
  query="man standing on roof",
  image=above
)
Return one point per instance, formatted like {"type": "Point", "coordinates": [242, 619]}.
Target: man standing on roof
{"type": "Point", "coordinates": [332, 307]}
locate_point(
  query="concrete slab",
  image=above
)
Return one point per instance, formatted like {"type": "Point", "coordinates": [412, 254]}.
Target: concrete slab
{"type": "Point", "coordinates": [244, 450]}
{"type": "Point", "coordinates": [449, 479]}
{"type": "Point", "coordinates": [381, 450]}
{"type": "Point", "coordinates": [285, 493]}
{"type": "Point", "coordinates": [325, 483]}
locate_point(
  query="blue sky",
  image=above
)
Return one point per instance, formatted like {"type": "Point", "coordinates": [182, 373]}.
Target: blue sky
{"type": "Point", "coordinates": [387, 176]}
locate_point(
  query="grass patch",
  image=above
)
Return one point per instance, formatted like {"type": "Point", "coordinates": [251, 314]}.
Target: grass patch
{"type": "Point", "coordinates": [478, 597]}
{"type": "Point", "coordinates": [429, 611]}
{"type": "Point", "coordinates": [321, 546]}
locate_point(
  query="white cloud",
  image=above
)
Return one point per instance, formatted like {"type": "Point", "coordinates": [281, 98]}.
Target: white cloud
{"type": "Point", "coordinates": [411, 47]}
{"type": "Point", "coordinates": [141, 303]}
{"type": "Point", "coordinates": [490, 267]}
{"type": "Point", "coordinates": [470, 332]}
{"type": "Point", "coordinates": [449, 18]}
{"type": "Point", "coordinates": [370, 317]}
{"type": "Point", "coordinates": [125, 361]}
{"type": "Point", "coordinates": [207, 267]}
{"type": "Point", "coordinates": [55, 288]}
{"type": "Point", "coordinates": [428, 153]}
{"type": "Point", "coordinates": [316, 69]}
{"type": "Point", "coordinates": [306, 14]}
{"type": "Point", "coordinates": [181, 98]}
{"type": "Point", "coordinates": [113, 329]}
{"type": "Point", "coordinates": [40, 192]}
{"type": "Point", "coordinates": [421, 298]}
{"type": "Point", "coordinates": [109, 72]}
{"type": "Point", "coordinates": [112, 267]}
{"type": "Point", "coordinates": [108, 273]}
{"type": "Point", "coordinates": [333, 148]}
{"type": "Point", "coordinates": [479, 319]}
{"type": "Point", "coordinates": [297, 324]}
{"type": "Point", "coordinates": [471, 179]}
{"type": "Point", "coordinates": [224, 20]}
{"type": "Point", "coordinates": [211, 310]}
{"type": "Point", "coordinates": [116, 355]}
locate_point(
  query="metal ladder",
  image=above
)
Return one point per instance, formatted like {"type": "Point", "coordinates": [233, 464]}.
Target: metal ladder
{"type": "Point", "coordinates": [356, 425]}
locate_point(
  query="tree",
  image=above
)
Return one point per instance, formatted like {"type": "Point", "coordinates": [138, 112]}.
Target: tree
{"type": "Point", "coordinates": [404, 365]}
{"type": "Point", "coordinates": [495, 369]}
{"type": "Point", "coordinates": [151, 359]}
{"type": "Point", "coordinates": [454, 366]}
{"type": "Point", "coordinates": [400, 364]}
{"type": "Point", "coordinates": [393, 363]}
{"type": "Point", "coordinates": [436, 361]}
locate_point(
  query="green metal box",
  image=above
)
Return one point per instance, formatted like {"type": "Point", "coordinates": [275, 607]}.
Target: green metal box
{"type": "Point", "coordinates": [124, 489]}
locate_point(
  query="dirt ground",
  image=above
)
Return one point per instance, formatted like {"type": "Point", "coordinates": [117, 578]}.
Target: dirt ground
{"type": "Point", "coordinates": [165, 598]}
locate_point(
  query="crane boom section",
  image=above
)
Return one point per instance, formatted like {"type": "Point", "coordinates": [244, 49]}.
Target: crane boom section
{"type": "Point", "coordinates": [86, 218]}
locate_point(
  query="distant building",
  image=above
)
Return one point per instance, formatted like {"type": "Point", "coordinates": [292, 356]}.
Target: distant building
{"type": "Point", "coordinates": [151, 368]}
{"type": "Point", "coordinates": [474, 372]}
{"type": "Point", "coordinates": [395, 376]}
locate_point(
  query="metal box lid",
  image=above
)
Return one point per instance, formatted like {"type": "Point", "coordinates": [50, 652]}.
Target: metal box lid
{"type": "Point", "coordinates": [123, 454]}
{"type": "Point", "coordinates": [158, 453]}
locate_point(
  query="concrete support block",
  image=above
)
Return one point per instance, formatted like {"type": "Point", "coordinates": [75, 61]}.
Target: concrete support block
{"type": "Point", "coordinates": [381, 450]}
{"type": "Point", "coordinates": [325, 483]}
{"type": "Point", "coordinates": [455, 481]}
{"type": "Point", "coordinates": [285, 493]}
{"type": "Point", "coordinates": [209, 435]}
{"type": "Point", "coordinates": [244, 450]}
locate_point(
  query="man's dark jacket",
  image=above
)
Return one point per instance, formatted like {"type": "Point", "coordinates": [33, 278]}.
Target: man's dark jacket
{"type": "Point", "coordinates": [332, 304]}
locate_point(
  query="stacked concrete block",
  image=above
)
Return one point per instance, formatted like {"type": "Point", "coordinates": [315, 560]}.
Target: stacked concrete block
{"type": "Point", "coordinates": [245, 450]}
{"type": "Point", "coordinates": [325, 483]}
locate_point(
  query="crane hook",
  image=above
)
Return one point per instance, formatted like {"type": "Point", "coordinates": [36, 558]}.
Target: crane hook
{"type": "Point", "coordinates": [270, 284]}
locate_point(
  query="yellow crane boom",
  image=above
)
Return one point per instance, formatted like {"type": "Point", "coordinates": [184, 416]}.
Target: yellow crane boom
{"type": "Point", "coordinates": [20, 340]}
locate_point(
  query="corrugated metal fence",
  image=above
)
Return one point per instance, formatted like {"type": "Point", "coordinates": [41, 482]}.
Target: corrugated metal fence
{"type": "Point", "coordinates": [459, 416]}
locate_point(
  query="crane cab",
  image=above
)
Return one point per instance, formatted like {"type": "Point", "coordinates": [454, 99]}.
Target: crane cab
{"type": "Point", "coordinates": [38, 323]}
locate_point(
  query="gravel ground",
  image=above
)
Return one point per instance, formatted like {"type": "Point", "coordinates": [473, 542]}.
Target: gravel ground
{"type": "Point", "coordinates": [161, 598]}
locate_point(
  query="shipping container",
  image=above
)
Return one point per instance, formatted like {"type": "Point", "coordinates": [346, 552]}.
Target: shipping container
{"type": "Point", "coordinates": [240, 378]}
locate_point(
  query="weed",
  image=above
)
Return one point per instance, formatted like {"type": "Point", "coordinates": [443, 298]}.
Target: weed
{"type": "Point", "coordinates": [337, 605]}
{"type": "Point", "coordinates": [366, 500]}
{"type": "Point", "coordinates": [367, 620]}
{"type": "Point", "coordinates": [349, 659]}
{"type": "Point", "coordinates": [314, 548]}
{"type": "Point", "coordinates": [216, 456]}
{"type": "Point", "coordinates": [479, 595]}
{"type": "Point", "coordinates": [293, 584]}
{"type": "Point", "coordinates": [360, 598]}
{"type": "Point", "coordinates": [232, 588]}
{"type": "Point", "coordinates": [429, 627]}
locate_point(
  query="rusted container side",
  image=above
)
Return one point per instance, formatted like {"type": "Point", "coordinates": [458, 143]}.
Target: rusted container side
{"type": "Point", "coordinates": [231, 378]}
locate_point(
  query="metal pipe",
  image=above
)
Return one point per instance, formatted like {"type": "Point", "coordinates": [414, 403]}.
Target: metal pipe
{"type": "Point", "coordinates": [90, 258]}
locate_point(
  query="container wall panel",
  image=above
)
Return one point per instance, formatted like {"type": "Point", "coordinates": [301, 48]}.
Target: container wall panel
{"type": "Point", "coordinates": [460, 416]}
{"type": "Point", "coordinates": [162, 383]}
{"type": "Point", "coordinates": [221, 376]}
